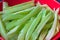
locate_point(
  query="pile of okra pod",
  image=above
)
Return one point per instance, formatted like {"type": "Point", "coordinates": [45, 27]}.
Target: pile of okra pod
{"type": "Point", "coordinates": [27, 21]}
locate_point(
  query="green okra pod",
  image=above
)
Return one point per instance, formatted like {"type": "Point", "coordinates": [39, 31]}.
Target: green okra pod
{"type": "Point", "coordinates": [44, 31]}
{"type": "Point", "coordinates": [40, 26]}
{"type": "Point", "coordinates": [3, 30]}
{"type": "Point", "coordinates": [19, 22]}
{"type": "Point", "coordinates": [18, 8]}
{"type": "Point", "coordinates": [52, 30]}
{"type": "Point", "coordinates": [17, 15]}
{"type": "Point", "coordinates": [10, 23]}
{"type": "Point", "coordinates": [33, 25]}
{"type": "Point", "coordinates": [23, 32]}
{"type": "Point", "coordinates": [18, 5]}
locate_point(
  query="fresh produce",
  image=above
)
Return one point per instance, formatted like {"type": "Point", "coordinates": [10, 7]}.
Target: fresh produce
{"type": "Point", "coordinates": [19, 22]}
{"type": "Point", "coordinates": [44, 31]}
{"type": "Point", "coordinates": [40, 26]}
{"type": "Point", "coordinates": [33, 25]}
{"type": "Point", "coordinates": [28, 22]}
{"type": "Point", "coordinates": [24, 30]}
{"type": "Point", "coordinates": [0, 19]}
{"type": "Point", "coordinates": [18, 7]}
{"type": "Point", "coordinates": [51, 31]}
{"type": "Point", "coordinates": [17, 15]}
{"type": "Point", "coordinates": [3, 30]}
{"type": "Point", "coordinates": [0, 26]}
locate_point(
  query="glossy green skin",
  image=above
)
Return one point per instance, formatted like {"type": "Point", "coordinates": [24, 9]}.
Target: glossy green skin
{"type": "Point", "coordinates": [3, 30]}
{"type": "Point", "coordinates": [19, 22]}
{"type": "Point", "coordinates": [44, 31]}
{"type": "Point", "coordinates": [40, 26]}
{"type": "Point", "coordinates": [26, 22]}
{"type": "Point", "coordinates": [17, 15]}
{"type": "Point", "coordinates": [33, 25]}
{"type": "Point", "coordinates": [23, 32]}
{"type": "Point", "coordinates": [18, 8]}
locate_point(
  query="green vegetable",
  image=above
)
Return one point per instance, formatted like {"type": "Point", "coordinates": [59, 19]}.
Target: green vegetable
{"type": "Point", "coordinates": [33, 25]}
{"type": "Point", "coordinates": [40, 26]}
{"type": "Point", "coordinates": [17, 15]}
{"type": "Point", "coordinates": [24, 30]}
{"type": "Point", "coordinates": [52, 30]}
{"type": "Point", "coordinates": [3, 30]}
{"type": "Point", "coordinates": [19, 22]}
{"type": "Point", "coordinates": [13, 37]}
{"type": "Point", "coordinates": [44, 31]}
{"type": "Point", "coordinates": [44, 13]}
{"type": "Point", "coordinates": [19, 7]}
{"type": "Point", "coordinates": [0, 26]}
{"type": "Point", "coordinates": [10, 23]}
{"type": "Point", "coordinates": [27, 22]}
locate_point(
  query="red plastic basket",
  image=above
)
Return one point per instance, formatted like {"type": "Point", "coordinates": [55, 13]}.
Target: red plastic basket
{"type": "Point", "coordinates": [56, 37]}
{"type": "Point", "coordinates": [51, 3]}
{"type": "Point", "coordinates": [1, 6]}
